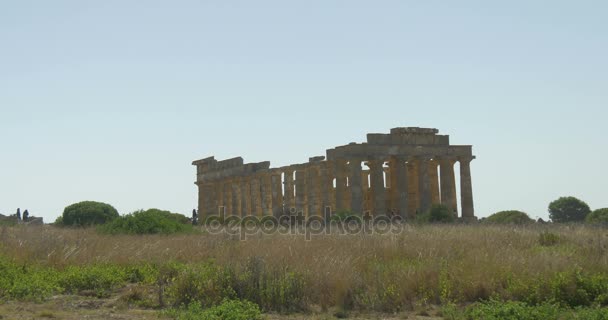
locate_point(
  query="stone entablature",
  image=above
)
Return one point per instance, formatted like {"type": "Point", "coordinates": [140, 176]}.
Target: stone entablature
{"type": "Point", "coordinates": [408, 170]}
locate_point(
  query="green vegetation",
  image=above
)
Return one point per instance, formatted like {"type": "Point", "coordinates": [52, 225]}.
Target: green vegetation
{"type": "Point", "coordinates": [346, 216]}
{"type": "Point", "coordinates": [438, 214]}
{"type": "Point", "coordinates": [34, 282]}
{"type": "Point", "coordinates": [87, 213]}
{"type": "Point", "coordinates": [568, 209]}
{"type": "Point", "coordinates": [599, 216]}
{"type": "Point", "coordinates": [472, 271]}
{"type": "Point", "coordinates": [151, 221]}
{"type": "Point", "coordinates": [509, 217]}
{"type": "Point", "coordinates": [514, 310]}
{"type": "Point", "coordinates": [227, 310]}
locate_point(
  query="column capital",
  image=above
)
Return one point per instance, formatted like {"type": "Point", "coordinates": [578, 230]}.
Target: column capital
{"type": "Point", "coordinates": [446, 159]}
{"type": "Point", "coordinates": [466, 159]}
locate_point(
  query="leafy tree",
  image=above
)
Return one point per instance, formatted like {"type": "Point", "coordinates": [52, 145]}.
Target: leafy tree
{"type": "Point", "coordinates": [509, 217]}
{"type": "Point", "coordinates": [599, 216]}
{"type": "Point", "coordinates": [87, 213]}
{"type": "Point", "coordinates": [568, 209]}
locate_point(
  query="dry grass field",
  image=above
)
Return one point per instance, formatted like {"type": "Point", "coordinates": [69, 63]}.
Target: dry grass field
{"type": "Point", "coordinates": [412, 274]}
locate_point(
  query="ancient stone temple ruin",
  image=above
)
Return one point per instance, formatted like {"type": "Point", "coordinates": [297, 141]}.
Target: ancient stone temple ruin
{"type": "Point", "coordinates": [400, 173]}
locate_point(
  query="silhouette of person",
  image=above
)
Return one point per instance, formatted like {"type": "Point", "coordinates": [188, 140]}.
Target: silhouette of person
{"type": "Point", "coordinates": [26, 215]}
{"type": "Point", "coordinates": [194, 217]}
{"type": "Point", "coordinates": [18, 214]}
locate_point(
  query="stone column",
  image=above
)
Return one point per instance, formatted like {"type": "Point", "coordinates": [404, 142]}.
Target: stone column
{"type": "Point", "coordinates": [326, 186]}
{"type": "Point", "coordinates": [256, 194]}
{"type": "Point", "coordinates": [210, 198]}
{"type": "Point", "coordinates": [227, 196]}
{"type": "Point", "coordinates": [340, 173]}
{"type": "Point", "coordinates": [277, 194]}
{"type": "Point", "coordinates": [466, 188]}
{"type": "Point", "coordinates": [310, 174]}
{"type": "Point", "coordinates": [412, 176]}
{"type": "Point", "coordinates": [401, 186]}
{"type": "Point", "coordinates": [201, 200]}
{"type": "Point", "coordinates": [367, 205]}
{"type": "Point", "coordinates": [288, 197]}
{"type": "Point", "coordinates": [448, 190]}
{"type": "Point", "coordinates": [434, 178]}
{"type": "Point", "coordinates": [300, 190]}
{"type": "Point", "coordinates": [245, 197]}
{"type": "Point", "coordinates": [424, 185]}
{"type": "Point", "coordinates": [266, 194]}
{"type": "Point", "coordinates": [219, 187]}
{"type": "Point", "coordinates": [236, 197]}
{"type": "Point", "coordinates": [377, 182]}
{"type": "Point", "coordinates": [356, 192]}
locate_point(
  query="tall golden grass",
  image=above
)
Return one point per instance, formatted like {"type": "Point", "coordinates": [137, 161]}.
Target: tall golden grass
{"type": "Point", "coordinates": [423, 264]}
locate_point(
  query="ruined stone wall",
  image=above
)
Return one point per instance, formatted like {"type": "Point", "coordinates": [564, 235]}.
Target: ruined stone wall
{"type": "Point", "coordinates": [401, 173]}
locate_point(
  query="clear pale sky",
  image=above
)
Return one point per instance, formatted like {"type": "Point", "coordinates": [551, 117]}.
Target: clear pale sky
{"type": "Point", "coordinates": [112, 100]}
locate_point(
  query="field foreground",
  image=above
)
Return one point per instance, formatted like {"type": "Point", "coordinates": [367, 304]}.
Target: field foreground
{"type": "Point", "coordinates": [423, 272]}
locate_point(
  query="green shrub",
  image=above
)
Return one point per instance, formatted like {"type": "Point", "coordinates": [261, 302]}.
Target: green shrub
{"type": "Point", "coordinates": [206, 284]}
{"type": "Point", "coordinates": [509, 217]}
{"type": "Point", "coordinates": [270, 288]}
{"type": "Point", "coordinates": [438, 214]}
{"type": "Point", "coordinates": [599, 216]}
{"type": "Point", "coordinates": [227, 310]}
{"type": "Point", "coordinates": [151, 221]}
{"type": "Point", "coordinates": [87, 213]}
{"type": "Point", "coordinates": [568, 209]}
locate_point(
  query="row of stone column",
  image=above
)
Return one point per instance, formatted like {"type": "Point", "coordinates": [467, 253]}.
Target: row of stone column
{"type": "Point", "coordinates": [413, 186]}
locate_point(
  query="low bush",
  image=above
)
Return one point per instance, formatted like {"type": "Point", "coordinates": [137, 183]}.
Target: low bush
{"type": "Point", "coordinates": [151, 221]}
{"type": "Point", "coordinates": [509, 217]}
